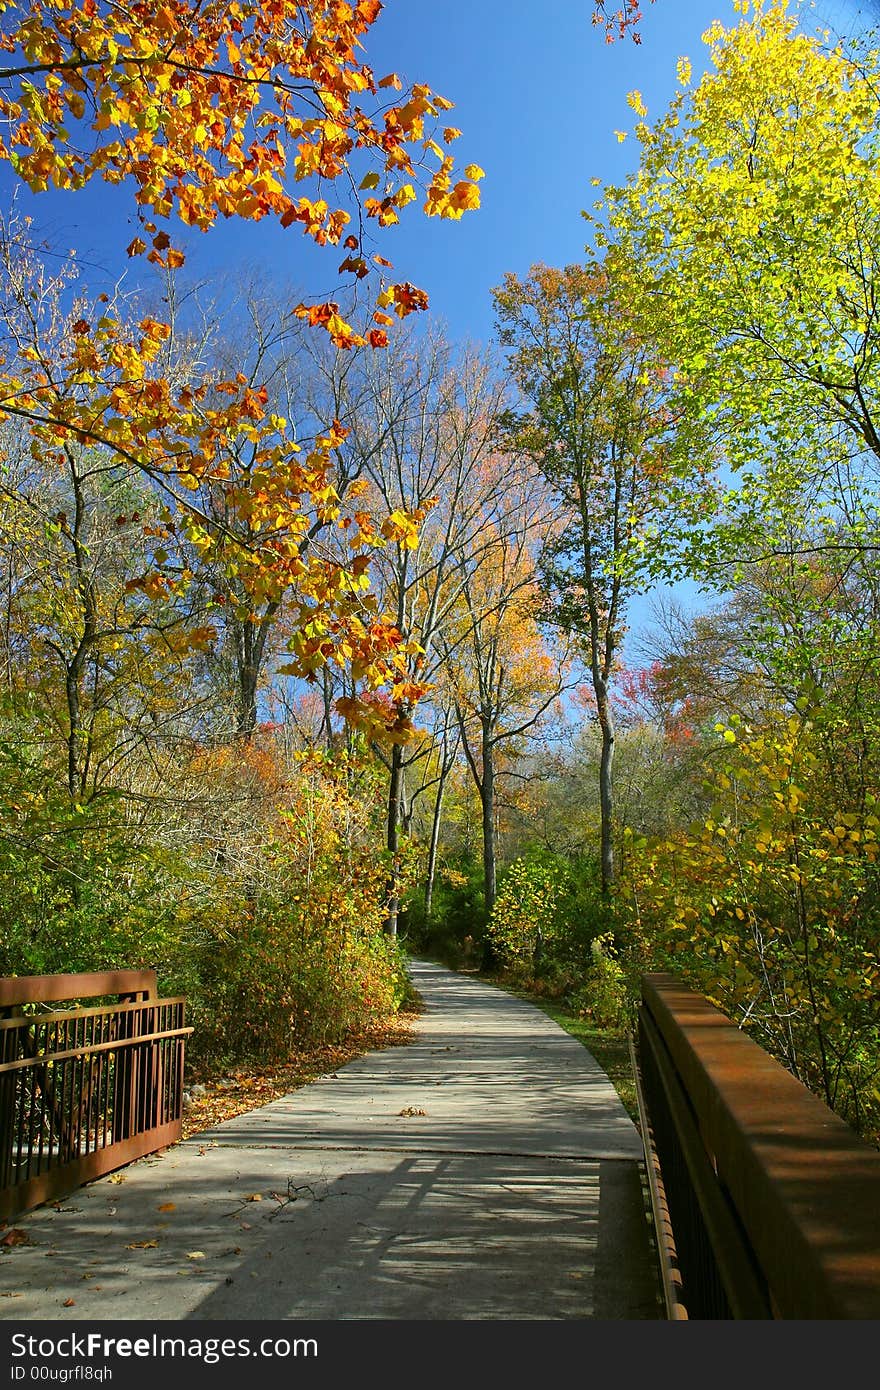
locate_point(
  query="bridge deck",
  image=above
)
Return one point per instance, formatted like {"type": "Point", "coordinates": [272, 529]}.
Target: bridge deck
{"type": "Point", "coordinates": [486, 1171]}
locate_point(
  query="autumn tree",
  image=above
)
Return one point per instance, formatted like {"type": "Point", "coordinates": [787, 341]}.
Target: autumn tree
{"type": "Point", "coordinates": [159, 504]}
{"type": "Point", "coordinates": [600, 420]}
{"type": "Point", "coordinates": [618, 22]}
{"type": "Point", "coordinates": [745, 244]}
{"type": "Point", "coordinates": [420, 451]}
{"type": "Point", "coordinates": [91, 639]}
{"type": "Point", "coordinates": [259, 605]}
{"type": "Point", "coordinates": [224, 111]}
{"type": "Point", "coordinates": [503, 673]}
{"type": "Point", "coordinates": [769, 904]}
{"type": "Point", "coordinates": [445, 740]}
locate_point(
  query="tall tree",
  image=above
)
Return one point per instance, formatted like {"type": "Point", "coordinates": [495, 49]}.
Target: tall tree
{"type": "Point", "coordinates": [748, 243]}
{"type": "Point", "coordinates": [422, 429]}
{"type": "Point", "coordinates": [600, 420]}
{"type": "Point", "coordinates": [503, 674]}
{"type": "Point", "coordinates": [228, 109]}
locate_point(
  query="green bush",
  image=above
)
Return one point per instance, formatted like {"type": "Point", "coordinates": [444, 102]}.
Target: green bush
{"type": "Point", "coordinates": [546, 914]}
{"type": "Point", "coordinates": [604, 998]}
{"type": "Point", "coordinates": [456, 930]}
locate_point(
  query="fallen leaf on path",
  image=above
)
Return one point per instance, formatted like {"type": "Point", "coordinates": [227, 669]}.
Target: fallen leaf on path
{"type": "Point", "coordinates": [254, 1197]}
{"type": "Point", "coordinates": [142, 1245]}
{"type": "Point", "coordinates": [117, 1177]}
{"type": "Point", "coordinates": [196, 1255]}
{"type": "Point", "coordinates": [69, 1303]}
{"type": "Point", "coordinates": [412, 1110]}
{"type": "Point", "coordinates": [15, 1237]}
{"type": "Point", "coordinates": [168, 1206]}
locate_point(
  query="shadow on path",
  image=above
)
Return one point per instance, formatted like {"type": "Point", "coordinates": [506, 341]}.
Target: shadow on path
{"type": "Point", "coordinates": [486, 1171]}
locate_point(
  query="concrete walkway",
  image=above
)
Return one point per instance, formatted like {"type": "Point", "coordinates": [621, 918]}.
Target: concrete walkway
{"type": "Point", "coordinates": [485, 1171]}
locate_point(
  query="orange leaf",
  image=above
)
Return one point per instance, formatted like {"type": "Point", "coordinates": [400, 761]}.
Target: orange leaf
{"type": "Point", "coordinates": [166, 20]}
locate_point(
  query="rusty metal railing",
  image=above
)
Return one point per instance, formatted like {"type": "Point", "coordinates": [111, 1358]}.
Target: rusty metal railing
{"type": "Point", "coordinates": [766, 1204]}
{"type": "Point", "coordinates": [84, 1090]}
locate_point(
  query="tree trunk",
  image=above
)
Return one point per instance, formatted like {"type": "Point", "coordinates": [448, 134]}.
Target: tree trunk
{"type": "Point", "coordinates": [247, 700]}
{"type": "Point", "coordinates": [606, 793]}
{"type": "Point", "coordinates": [250, 652]}
{"type": "Point", "coordinates": [487, 797]}
{"type": "Point", "coordinates": [395, 787]}
{"type": "Point", "coordinates": [432, 848]}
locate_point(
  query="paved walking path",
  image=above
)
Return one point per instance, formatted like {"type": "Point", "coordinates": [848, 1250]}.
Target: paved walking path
{"type": "Point", "coordinates": [487, 1170]}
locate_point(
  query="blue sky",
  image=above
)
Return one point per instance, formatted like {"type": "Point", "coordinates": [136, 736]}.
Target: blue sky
{"type": "Point", "coordinates": [538, 95]}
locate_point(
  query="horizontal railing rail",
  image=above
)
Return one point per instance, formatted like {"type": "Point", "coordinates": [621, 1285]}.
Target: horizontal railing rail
{"type": "Point", "coordinates": [87, 1089]}
{"type": "Point", "coordinates": [766, 1203]}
